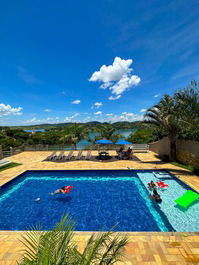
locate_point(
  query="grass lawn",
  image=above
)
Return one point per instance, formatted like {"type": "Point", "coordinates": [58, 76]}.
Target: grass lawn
{"type": "Point", "coordinates": [190, 168]}
{"type": "Point", "coordinates": [9, 166]}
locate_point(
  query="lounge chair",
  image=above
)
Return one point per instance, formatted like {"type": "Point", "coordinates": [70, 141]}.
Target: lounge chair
{"type": "Point", "coordinates": [69, 156]}
{"type": "Point", "coordinates": [88, 155]}
{"type": "Point", "coordinates": [50, 156]}
{"type": "Point", "coordinates": [4, 162]}
{"type": "Point", "coordinates": [79, 155]}
{"type": "Point", "coordinates": [60, 156]}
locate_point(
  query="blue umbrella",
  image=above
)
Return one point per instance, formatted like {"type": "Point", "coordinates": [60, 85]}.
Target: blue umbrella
{"type": "Point", "coordinates": [103, 141]}
{"type": "Point", "coordinates": [122, 141]}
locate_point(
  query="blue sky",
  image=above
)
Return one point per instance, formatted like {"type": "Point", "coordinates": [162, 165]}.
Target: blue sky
{"type": "Point", "coordinates": [88, 60]}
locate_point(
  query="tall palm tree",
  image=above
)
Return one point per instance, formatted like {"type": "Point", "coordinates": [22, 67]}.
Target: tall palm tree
{"type": "Point", "coordinates": [188, 101]}
{"type": "Point", "coordinates": [166, 116]}
{"type": "Point", "coordinates": [57, 247]}
{"type": "Point", "coordinates": [74, 134]}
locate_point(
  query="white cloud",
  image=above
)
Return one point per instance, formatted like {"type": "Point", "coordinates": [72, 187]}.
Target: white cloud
{"type": "Point", "coordinates": [114, 98]}
{"type": "Point", "coordinates": [112, 72]}
{"type": "Point", "coordinates": [98, 113]}
{"type": "Point", "coordinates": [116, 77]}
{"type": "Point", "coordinates": [156, 96]}
{"type": "Point", "coordinates": [34, 120]}
{"type": "Point", "coordinates": [97, 105]}
{"type": "Point", "coordinates": [71, 118]}
{"type": "Point", "coordinates": [47, 110]}
{"type": "Point", "coordinates": [124, 116]}
{"type": "Point", "coordinates": [143, 110]}
{"type": "Point", "coordinates": [77, 101]}
{"type": "Point", "coordinates": [124, 83]}
{"type": "Point", "coordinates": [8, 110]}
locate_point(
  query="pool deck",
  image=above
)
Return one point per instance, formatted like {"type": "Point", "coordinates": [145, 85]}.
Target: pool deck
{"type": "Point", "coordinates": [149, 248]}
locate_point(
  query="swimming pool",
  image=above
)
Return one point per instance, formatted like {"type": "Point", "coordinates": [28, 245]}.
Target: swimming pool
{"type": "Point", "coordinates": [99, 200]}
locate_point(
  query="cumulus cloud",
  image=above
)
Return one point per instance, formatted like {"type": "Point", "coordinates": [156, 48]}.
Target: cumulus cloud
{"type": "Point", "coordinates": [77, 101]}
{"type": "Point", "coordinates": [116, 77]}
{"type": "Point", "coordinates": [97, 105]}
{"type": "Point", "coordinates": [71, 118]}
{"type": "Point", "coordinates": [47, 110]}
{"type": "Point", "coordinates": [8, 110]}
{"type": "Point", "coordinates": [114, 98]}
{"type": "Point", "coordinates": [98, 113]}
{"type": "Point", "coordinates": [143, 110]}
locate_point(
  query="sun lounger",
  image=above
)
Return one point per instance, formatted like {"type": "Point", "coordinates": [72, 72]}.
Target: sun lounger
{"type": "Point", "coordinates": [4, 162]}
{"type": "Point", "coordinates": [140, 148]}
{"type": "Point", "coordinates": [60, 156]}
{"type": "Point", "coordinates": [187, 199]}
{"type": "Point", "coordinates": [88, 155]}
{"type": "Point", "coordinates": [79, 155]}
{"type": "Point", "coordinates": [69, 156]}
{"type": "Point", "coordinates": [50, 156]}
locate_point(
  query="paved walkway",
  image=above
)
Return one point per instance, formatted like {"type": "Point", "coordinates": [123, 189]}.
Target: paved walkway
{"type": "Point", "coordinates": [143, 248]}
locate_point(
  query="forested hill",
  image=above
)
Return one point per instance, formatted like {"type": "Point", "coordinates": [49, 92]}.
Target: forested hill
{"type": "Point", "coordinates": [118, 125]}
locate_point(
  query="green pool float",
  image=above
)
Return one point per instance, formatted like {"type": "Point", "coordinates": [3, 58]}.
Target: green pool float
{"type": "Point", "coordinates": [188, 198]}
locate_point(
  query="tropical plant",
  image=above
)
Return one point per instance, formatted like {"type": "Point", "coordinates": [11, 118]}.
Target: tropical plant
{"type": "Point", "coordinates": [166, 116]}
{"type": "Point", "coordinates": [144, 135]}
{"type": "Point", "coordinates": [58, 247]}
{"type": "Point", "coordinates": [74, 134]}
{"type": "Point", "coordinates": [188, 104]}
{"type": "Point", "coordinates": [177, 116]}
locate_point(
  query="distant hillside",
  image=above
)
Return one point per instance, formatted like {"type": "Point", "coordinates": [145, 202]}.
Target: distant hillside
{"type": "Point", "coordinates": [118, 125]}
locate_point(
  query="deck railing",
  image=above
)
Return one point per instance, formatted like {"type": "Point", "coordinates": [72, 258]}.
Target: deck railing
{"type": "Point", "coordinates": [39, 147]}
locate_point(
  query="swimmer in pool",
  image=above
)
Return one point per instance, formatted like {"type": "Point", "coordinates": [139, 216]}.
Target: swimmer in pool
{"type": "Point", "coordinates": [63, 190]}
{"type": "Point", "coordinates": [151, 185]}
{"type": "Point", "coordinates": [156, 196]}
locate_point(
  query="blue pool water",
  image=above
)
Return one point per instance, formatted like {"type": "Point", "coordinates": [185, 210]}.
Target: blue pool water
{"type": "Point", "coordinates": [98, 201]}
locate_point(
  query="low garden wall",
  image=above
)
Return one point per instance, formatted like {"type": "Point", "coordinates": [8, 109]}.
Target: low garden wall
{"type": "Point", "coordinates": [187, 151]}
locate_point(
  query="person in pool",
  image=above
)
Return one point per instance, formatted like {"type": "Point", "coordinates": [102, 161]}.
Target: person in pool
{"type": "Point", "coordinates": [152, 185]}
{"type": "Point", "coordinates": [63, 190]}
{"type": "Point", "coordinates": [156, 196]}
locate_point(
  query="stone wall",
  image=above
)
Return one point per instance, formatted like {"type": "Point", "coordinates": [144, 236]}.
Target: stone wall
{"type": "Point", "coordinates": [161, 147]}
{"type": "Point", "coordinates": [187, 151]}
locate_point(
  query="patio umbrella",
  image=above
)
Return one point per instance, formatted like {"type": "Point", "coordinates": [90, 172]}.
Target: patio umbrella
{"type": "Point", "coordinates": [122, 141]}
{"type": "Point", "coordinates": [103, 141]}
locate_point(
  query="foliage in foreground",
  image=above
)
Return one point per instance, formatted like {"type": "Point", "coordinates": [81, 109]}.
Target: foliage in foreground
{"type": "Point", "coordinates": [57, 247]}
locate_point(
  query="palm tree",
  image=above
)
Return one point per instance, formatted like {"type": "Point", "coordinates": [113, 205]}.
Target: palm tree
{"type": "Point", "coordinates": [188, 101]}
{"type": "Point", "coordinates": [166, 116]}
{"type": "Point", "coordinates": [57, 247]}
{"type": "Point", "coordinates": [74, 134]}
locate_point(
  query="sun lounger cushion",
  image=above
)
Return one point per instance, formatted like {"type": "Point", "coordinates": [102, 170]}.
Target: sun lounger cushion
{"type": "Point", "coordinates": [188, 198]}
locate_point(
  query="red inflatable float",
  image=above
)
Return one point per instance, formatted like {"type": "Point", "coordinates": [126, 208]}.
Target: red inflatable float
{"type": "Point", "coordinates": [67, 189]}
{"type": "Point", "coordinates": [161, 184]}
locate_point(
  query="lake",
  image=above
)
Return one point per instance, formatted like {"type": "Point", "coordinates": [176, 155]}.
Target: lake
{"type": "Point", "coordinates": [36, 130]}
{"type": "Point", "coordinates": [85, 143]}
